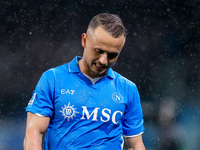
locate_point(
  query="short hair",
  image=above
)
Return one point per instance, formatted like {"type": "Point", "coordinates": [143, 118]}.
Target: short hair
{"type": "Point", "coordinates": [111, 23]}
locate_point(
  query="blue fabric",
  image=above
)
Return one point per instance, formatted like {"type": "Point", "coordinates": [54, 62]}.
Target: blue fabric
{"type": "Point", "coordinates": [83, 115]}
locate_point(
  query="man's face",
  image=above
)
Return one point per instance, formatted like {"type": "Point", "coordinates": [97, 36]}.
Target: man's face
{"type": "Point", "coordinates": [101, 52]}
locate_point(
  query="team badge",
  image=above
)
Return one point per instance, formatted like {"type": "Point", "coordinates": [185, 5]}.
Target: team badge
{"type": "Point", "coordinates": [117, 97]}
{"type": "Point", "coordinates": [68, 111]}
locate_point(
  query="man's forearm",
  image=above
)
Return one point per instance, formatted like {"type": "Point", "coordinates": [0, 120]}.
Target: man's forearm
{"type": "Point", "coordinates": [135, 143]}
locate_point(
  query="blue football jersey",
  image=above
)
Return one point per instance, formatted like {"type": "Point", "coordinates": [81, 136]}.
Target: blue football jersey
{"type": "Point", "coordinates": [86, 115]}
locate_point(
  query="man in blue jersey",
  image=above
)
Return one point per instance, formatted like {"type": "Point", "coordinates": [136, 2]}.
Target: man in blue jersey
{"type": "Point", "coordinates": [84, 104]}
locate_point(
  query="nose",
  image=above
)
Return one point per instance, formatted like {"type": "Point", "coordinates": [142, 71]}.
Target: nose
{"type": "Point", "coordinates": [104, 59]}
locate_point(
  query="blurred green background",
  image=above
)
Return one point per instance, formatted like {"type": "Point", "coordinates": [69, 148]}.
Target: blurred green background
{"type": "Point", "coordinates": [161, 55]}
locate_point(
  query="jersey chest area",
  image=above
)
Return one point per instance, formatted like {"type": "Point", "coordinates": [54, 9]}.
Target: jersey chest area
{"type": "Point", "coordinates": [79, 101]}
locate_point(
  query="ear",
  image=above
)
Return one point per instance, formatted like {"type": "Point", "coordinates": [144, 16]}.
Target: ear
{"type": "Point", "coordinates": [83, 41]}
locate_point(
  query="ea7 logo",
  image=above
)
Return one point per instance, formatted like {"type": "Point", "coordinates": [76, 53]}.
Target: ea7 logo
{"type": "Point", "coordinates": [64, 91]}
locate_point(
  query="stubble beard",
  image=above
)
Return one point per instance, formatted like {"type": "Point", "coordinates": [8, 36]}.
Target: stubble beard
{"type": "Point", "coordinates": [95, 74]}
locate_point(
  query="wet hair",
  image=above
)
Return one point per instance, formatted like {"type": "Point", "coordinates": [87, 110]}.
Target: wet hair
{"type": "Point", "coordinates": [111, 23]}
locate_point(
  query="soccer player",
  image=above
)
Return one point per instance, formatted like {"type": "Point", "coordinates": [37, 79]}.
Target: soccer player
{"type": "Point", "coordinates": [84, 104]}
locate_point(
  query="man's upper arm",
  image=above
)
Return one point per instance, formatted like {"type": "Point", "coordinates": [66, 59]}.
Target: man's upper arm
{"type": "Point", "coordinates": [36, 122]}
{"type": "Point", "coordinates": [35, 127]}
{"type": "Point", "coordinates": [134, 143]}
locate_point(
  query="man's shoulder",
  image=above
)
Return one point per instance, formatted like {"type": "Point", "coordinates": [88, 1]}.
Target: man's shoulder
{"type": "Point", "coordinates": [123, 80]}
{"type": "Point", "coordinates": [62, 69]}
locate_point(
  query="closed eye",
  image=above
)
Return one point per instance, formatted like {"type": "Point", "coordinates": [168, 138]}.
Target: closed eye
{"type": "Point", "coordinates": [112, 55]}
{"type": "Point", "coordinates": [99, 51]}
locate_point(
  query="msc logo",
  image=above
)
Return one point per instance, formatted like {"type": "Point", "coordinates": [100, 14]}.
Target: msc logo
{"type": "Point", "coordinates": [68, 111]}
{"type": "Point", "coordinates": [104, 115]}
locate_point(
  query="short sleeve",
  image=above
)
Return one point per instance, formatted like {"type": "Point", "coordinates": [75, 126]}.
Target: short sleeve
{"type": "Point", "coordinates": [133, 118]}
{"type": "Point", "coordinates": [43, 96]}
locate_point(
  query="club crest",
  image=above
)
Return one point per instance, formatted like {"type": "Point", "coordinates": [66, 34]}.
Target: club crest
{"type": "Point", "coordinates": [117, 97]}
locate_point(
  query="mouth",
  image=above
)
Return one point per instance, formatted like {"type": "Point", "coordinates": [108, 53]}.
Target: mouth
{"type": "Point", "coordinates": [100, 67]}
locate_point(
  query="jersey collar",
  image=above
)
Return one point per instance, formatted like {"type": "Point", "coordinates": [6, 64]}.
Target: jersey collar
{"type": "Point", "coordinates": [74, 68]}
{"type": "Point", "coordinates": [73, 65]}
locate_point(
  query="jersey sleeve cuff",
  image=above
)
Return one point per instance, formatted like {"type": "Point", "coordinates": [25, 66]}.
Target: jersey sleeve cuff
{"type": "Point", "coordinates": [41, 113]}
{"type": "Point", "coordinates": [133, 131]}
{"type": "Point", "coordinates": [133, 135]}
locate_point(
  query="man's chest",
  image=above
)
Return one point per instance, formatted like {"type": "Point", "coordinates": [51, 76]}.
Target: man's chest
{"type": "Point", "coordinates": [75, 102]}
